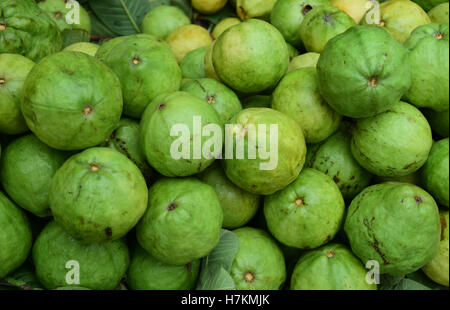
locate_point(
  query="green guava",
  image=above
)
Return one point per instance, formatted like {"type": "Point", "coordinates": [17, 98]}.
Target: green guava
{"type": "Point", "coordinates": [98, 195]}
{"type": "Point", "coordinates": [259, 263]}
{"type": "Point", "coordinates": [257, 101]}
{"type": "Point", "coordinates": [395, 224]}
{"type": "Point", "coordinates": [85, 47]}
{"type": "Point", "coordinates": [321, 24]}
{"type": "Point", "coordinates": [188, 38]}
{"type": "Point", "coordinates": [292, 51]}
{"type": "Point", "coordinates": [219, 96]}
{"type": "Point", "coordinates": [60, 259]}
{"type": "Point", "coordinates": [27, 30]}
{"type": "Point", "coordinates": [223, 25]}
{"type": "Point", "coordinates": [162, 20]}
{"type": "Point", "coordinates": [334, 158]}
{"type": "Point", "coordinates": [193, 64]}
{"type": "Point", "coordinates": [15, 236]}
{"type": "Point", "coordinates": [429, 4]}
{"type": "Point", "coordinates": [428, 57]}
{"type": "Point", "coordinates": [167, 131]}
{"type": "Point", "coordinates": [238, 206]}
{"type": "Point", "coordinates": [439, 14]}
{"type": "Point", "coordinates": [331, 267]}
{"type": "Point", "coordinates": [270, 150]}
{"type": "Point", "coordinates": [27, 167]}
{"type": "Point", "coordinates": [297, 95]}
{"type": "Point", "coordinates": [288, 15]}
{"type": "Point", "coordinates": [250, 57]}
{"type": "Point", "coordinates": [439, 121]}
{"type": "Point", "coordinates": [355, 8]}
{"type": "Point", "coordinates": [393, 143]}
{"type": "Point", "coordinates": [71, 101]}
{"type": "Point", "coordinates": [210, 71]}
{"type": "Point", "coordinates": [148, 273]}
{"type": "Point", "coordinates": [208, 7]}
{"type": "Point", "coordinates": [357, 83]}
{"type": "Point", "coordinates": [14, 69]}
{"type": "Point", "coordinates": [304, 60]}
{"type": "Point", "coordinates": [247, 9]}
{"type": "Point", "coordinates": [307, 213]}
{"type": "Point", "coordinates": [437, 268]}
{"type": "Point", "coordinates": [106, 47]}
{"type": "Point", "coordinates": [62, 15]}
{"type": "Point", "coordinates": [435, 172]}
{"type": "Point", "coordinates": [183, 221]}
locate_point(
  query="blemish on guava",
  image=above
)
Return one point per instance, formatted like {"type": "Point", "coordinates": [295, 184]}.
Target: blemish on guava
{"type": "Point", "coordinates": [2, 27]}
{"type": "Point", "coordinates": [382, 23]}
{"type": "Point", "coordinates": [418, 199]}
{"type": "Point", "coordinates": [249, 277]}
{"type": "Point", "coordinates": [87, 110]}
{"type": "Point", "coordinates": [136, 60]}
{"type": "Point", "coordinates": [306, 9]}
{"type": "Point", "coordinates": [330, 253]}
{"type": "Point", "coordinates": [211, 99]}
{"type": "Point", "coordinates": [108, 231]}
{"type": "Point", "coordinates": [243, 12]}
{"type": "Point", "coordinates": [439, 35]}
{"type": "Point", "coordinates": [2, 81]}
{"type": "Point", "coordinates": [94, 167]}
{"type": "Point", "coordinates": [58, 15]}
{"type": "Point", "coordinates": [336, 179]}
{"type": "Point", "coordinates": [443, 227]}
{"type": "Point", "coordinates": [172, 206]}
{"type": "Point", "coordinates": [373, 81]}
{"type": "Point", "coordinates": [326, 18]}
{"type": "Point", "coordinates": [161, 106]}
{"type": "Point", "coordinates": [299, 201]}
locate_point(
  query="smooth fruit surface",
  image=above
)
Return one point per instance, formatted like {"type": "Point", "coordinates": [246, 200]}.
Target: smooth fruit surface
{"type": "Point", "coordinates": [247, 9]}
{"type": "Point", "coordinates": [304, 60]}
{"type": "Point", "coordinates": [355, 8]}
{"type": "Point", "coordinates": [187, 38]}
{"type": "Point", "coordinates": [162, 20]}
{"type": "Point", "coordinates": [439, 14]}
{"type": "Point", "coordinates": [193, 64]}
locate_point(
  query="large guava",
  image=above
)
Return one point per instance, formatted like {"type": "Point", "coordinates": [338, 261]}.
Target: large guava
{"type": "Point", "coordinates": [393, 143]}
{"type": "Point", "coordinates": [247, 9]}
{"type": "Point", "coordinates": [439, 121]}
{"type": "Point", "coordinates": [67, 15]}
{"type": "Point", "coordinates": [27, 167]}
{"type": "Point", "coordinates": [27, 30]}
{"type": "Point", "coordinates": [188, 38]}
{"type": "Point", "coordinates": [355, 8]}
{"type": "Point", "coordinates": [208, 7]}
{"type": "Point", "coordinates": [395, 224]}
{"type": "Point", "coordinates": [183, 221]}
{"type": "Point", "coordinates": [162, 20]}
{"type": "Point", "coordinates": [193, 64]}
{"type": "Point", "coordinates": [439, 14]}
{"type": "Point", "coordinates": [428, 4]}
{"type": "Point", "coordinates": [60, 260]}
{"type": "Point", "coordinates": [71, 101]}
{"type": "Point", "coordinates": [98, 195]}
{"type": "Point", "coordinates": [304, 60]}
{"type": "Point", "coordinates": [363, 72]}
{"type": "Point", "coordinates": [223, 25]}
{"type": "Point", "coordinates": [14, 69]}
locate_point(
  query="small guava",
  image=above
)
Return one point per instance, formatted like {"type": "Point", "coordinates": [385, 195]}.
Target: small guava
{"type": "Point", "coordinates": [60, 12]}
{"type": "Point", "coordinates": [223, 25]}
{"type": "Point", "coordinates": [429, 4]}
{"type": "Point", "coordinates": [162, 20]}
{"type": "Point", "coordinates": [98, 195]}
{"type": "Point", "coordinates": [257, 101]}
{"type": "Point", "coordinates": [188, 38]}
{"type": "Point", "coordinates": [439, 121]}
{"type": "Point", "coordinates": [304, 60]}
{"type": "Point", "coordinates": [183, 221]}
{"type": "Point", "coordinates": [193, 64]}
{"type": "Point", "coordinates": [439, 14]}
{"type": "Point", "coordinates": [85, 47]}
{"type": "Point", "coordinates": [292, 51]}
{"type": "Point", "coordinates": [57, 257]}
{"type": "Point", "coordinates": [355, 8]}
{"type": "Point", "coordinates": [247, 9]}
{"type": "Point", "coordinates": [208, 7]}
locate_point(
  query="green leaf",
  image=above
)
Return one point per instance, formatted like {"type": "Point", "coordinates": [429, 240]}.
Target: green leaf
{"type": "Point", "coordinates": [215, 278]}
{"type": "Point", "coordinates": [421, 277]}
{"type": "Point", "coordinates": [71, 36]}
{"type": "Point", "coordinates": [99, 29]}
{"type": "Point", "coordinates": [23, 278]}
{"type": "Point", "coordinates": [408, 284]}
{"type": "Point", "coordinates": [388, 282]}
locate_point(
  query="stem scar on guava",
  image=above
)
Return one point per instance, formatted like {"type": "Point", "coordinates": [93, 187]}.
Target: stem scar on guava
{"type": "Point", "coordinates": [172, 206]}
{"type": "Point", "coordinates": [249, 277]}
{"type": "Point", "coordinates": [2, 27]}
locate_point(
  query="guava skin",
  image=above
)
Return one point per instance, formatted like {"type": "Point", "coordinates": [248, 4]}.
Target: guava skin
{"type": "Point", "coordinates": [107, 46]}
{"type": "Point", "coordinates": [439, 121]}
{"type": "Point", "coordinates": [439, 14]}
{"type": "Point", "coordinates": [307, 213]}
{"type": "Point", "coordinates": [219, 96]}
{"type": "Point", "coordinates": [429, 4]}
{"type": "Point", "coordinates": [224, 25]}
{"type": "Point", "coordinates": [428, 57]}
{"type": "Point", "coordinates": [395, 224]}
{"type": "Point", "coordinates": [238, 206]}
{"type": "Point", "coordinates": [208, 6]}
{"type": "Point", "coordinates": [393, 143]}
{"type": "Point", "coordinates": [247, 9]}
{"type": "Point", "coordinates": [28, 159]}
{"type": "Point", "coordinates": [436, 170]}
{"type": "Point", "coordinates": [75, 119]}
{"type": "Point", "coordinates": [257, 101]}
{"type": "Point", "coordinates": [57, 11]}
{"type": "Point", "coordinates": [297, 95]}
{"type": "Point", "coordinates": [321, 24]}
{"type": "Point", "coordinates": [15, 236]}
{"type": "Point", "coordinates": [101, 265]}
{"type": "Point", "coordinates": [437, 268]}
{"type": "Point", "coordinates": [250, 57]}
{"type": "Point", "coordinates": [98, 195]}
{"type": "Point", "coordinates": [362, 84]}
{"type": "Point", "coordinates": [183, 221]}
{"type": "Point", "coordinates": [355, 8]}
{"type": "Point", "coordinates": [292, 51]}
{"type": "Point", "coordinates": [193, 64]}
{"type": "Point", "coordinates": [27, 30]}
{"type": "Point", "coordinates": [331, 267]}
{"type": "Point", "coordinates": [247, 173]}
{"type": "Point", "coordinates": [162, 20]}
{"type": "Point", "coordinates": [259, 263]}
{"type": "Point", "coordinates": [85, 47]}
{"type": "Point", "coordinates": [303, 61]}
{"type": "Point", "coordinates": [210, 71]}
{"type": "Point", "coordinates": [288, 15]}
{"type": "Point", "coordinates": [147, 273]}
{"type": "Point", "coordinates": [14, 69]}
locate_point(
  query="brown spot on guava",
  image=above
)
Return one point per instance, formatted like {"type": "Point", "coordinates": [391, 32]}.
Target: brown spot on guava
{"type": "Point", "coordinates": [326, 18]}
{"type": "Point", "coordinates": [418, 199]}
{"type": "Point", "coordinates": [108, 231]}
{"type": "Point", "coordinates": [2, 27]}
{"type": "Point", "coordinates": [87, 110]}
{"type": "Point", "coordinates": [249, 277]}
{"type": "Point", "coordinates": [373, 81]}
{"type": "Point", "coordinates": [443, 227]}
{"type": "Point", "coordinates": [306, 9]}
{"type": "Point", "coordinates": [439, 35]}
{"type": "Point", "coordinates": [299, 202]}
{"type": "Point", "coordinates": [161, 106]}
{"type": "Point", "coordinates": [382, 23]}
{"type": "Point", "coordinates": [243, 13]}
{"type": "Point", "coordinates": [409, 166]}
{"type": "Point", "coordinates": [172, 206]}
{"type": "Point", "coordinates": [330, 253]}
{"type": "Point", "coordinates": [211, 99]}
{"type": "Point", "coordinates": [58, 15]}
{"type": "Point", "coordinates": [336, 179]}
{"type": "Point", "coordinates": [136, 60]}
{"type": "Point", "coordinates": [2, 81]}
{"type": "Point", "coordinates": [94, 167]}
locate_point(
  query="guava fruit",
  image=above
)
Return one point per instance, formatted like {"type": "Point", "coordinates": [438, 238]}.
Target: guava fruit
{"type": "Point", "coordinates": [259, 263]}
{"type": "Point", "coordinates": [85, 47]}
{"type": "Point", "coordinates": [439, 121]}
{"type": "Point", "coordinates": [238, 206]}
{"type": "Point", "coordinates": [27, 167]}
{"type": "Point", "coordinates": [334, 158]}
{"type": "Point", "coordinates": [208, 7]}
{"type": "Point", "coordinates": [187, 38]}
{"type": "Point", "coordinates": [98, 195]}
{"type": "Point", "coordinates": [270, 150]}
{"type": "Point", "coordinates": [357, 83]}
{"type": "Point", "coordinates": [60, 259]}
{"type": "Point", "coordinates": [183, 221]}
{"type": "Point", "coordinates": [435, 172]}
{"type": "Point", "coordinates": [71, 101]}
{"type": "Point", "coordinates": [125, 139]}
{"type": "Point", "coordinates": [395, 224]}
{"type": "Point", "coordinates": [437, 268]}
{"type": "Point", "coordinates": [429, 4]}
{"type": "Point", "coordinates": [331, 267]}
{"type": "Point", "coordinates": [210, 71]}
{"type": "Point", "coordinates": [106, 47]}
{"type": "Point", "coordinates": [219, 96]}
{"type": "Point", "coordinates": [321, 24]}
{"type": "Point", "coordinates": [15, 236]}
{"type": "Point", "coordinates": [247, 9]}
{"type": "Point", "coordinates": [14, 69]}
{"type": "Point", "coordinates": [304, 60]}
{"type": "Point", "coordinates": [27, 30]}
{"type": "Point", "coordinates": [287, 16]}
{"type": "Point", "coordinates": [428, 48]}
{"type": "Point", "coordinates": [148, 273]}
{"type": "Point", "coordinates": [307, 213]}
{"type": "Point", "coordinates": [162, 20]}
{"type": "Point", "coordinates": [62, 13]}
{"type": "Point", "coordinates": [193, 64]}
{"type": "Point", "coordinates": [257, 101]}
{"type": "Point", "coordinates": [393, 143]}
{"type": "Point", "coordinates": [355, 8]}
{"type": "Point", "coordinates": [223, 25]}
{"type": "Point", "coordinates": [250, 57]}
{"type": "Point", "coordinates": [439, 14]}
{"type": "Point", "coordinates": [146, 68]}
{"type": "Point", "coordinates": [297, 95]}
{"type": "Point", "coordinates": [292, 51]}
